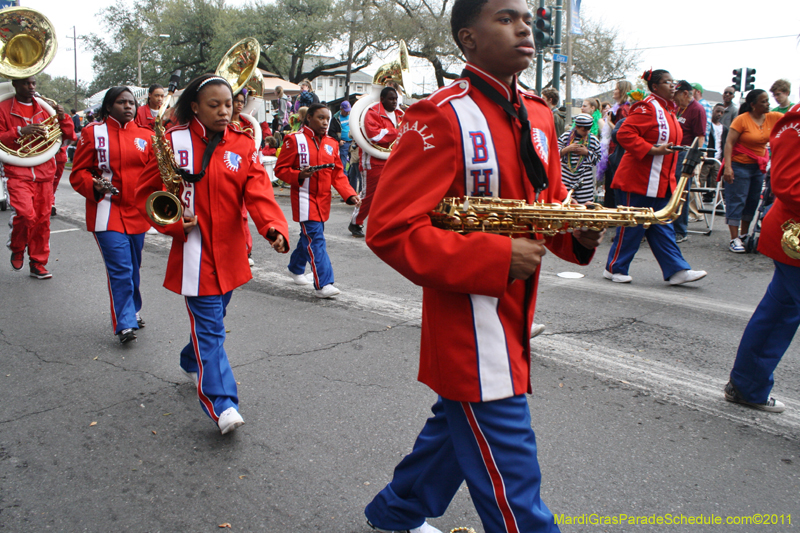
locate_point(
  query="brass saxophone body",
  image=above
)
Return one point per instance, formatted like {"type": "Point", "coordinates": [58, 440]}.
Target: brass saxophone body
{"type": "Point", "coordinates": [514, 217]}
{"type": "Point", "coordinates": [164, 207]}
{"type": "Point", "coordinates": [790, 241]}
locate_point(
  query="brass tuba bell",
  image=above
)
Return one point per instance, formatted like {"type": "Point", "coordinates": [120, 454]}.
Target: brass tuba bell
{"type": "Point", "coordinates": [28, 44]}
{"type": "Point", "coordinates": [239, 66]}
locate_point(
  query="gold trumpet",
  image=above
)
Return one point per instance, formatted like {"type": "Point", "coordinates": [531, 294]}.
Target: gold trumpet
{"type": "Point", "coordinates": [512, 217]}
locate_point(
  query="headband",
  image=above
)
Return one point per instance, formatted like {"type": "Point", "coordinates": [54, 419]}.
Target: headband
{"type": "Point", "coordinates": [212, 78]}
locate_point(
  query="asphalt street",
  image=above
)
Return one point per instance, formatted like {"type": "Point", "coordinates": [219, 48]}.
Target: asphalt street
{"type": "Point", "coordinates": [627, 399]}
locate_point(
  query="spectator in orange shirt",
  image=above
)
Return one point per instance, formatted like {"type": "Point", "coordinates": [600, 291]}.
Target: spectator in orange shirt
{"type": "Point", "coordinates": [746, 161]}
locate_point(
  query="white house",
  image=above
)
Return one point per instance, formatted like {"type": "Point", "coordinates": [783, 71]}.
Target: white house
{"type": "Point", "coordinates": [329, 87]}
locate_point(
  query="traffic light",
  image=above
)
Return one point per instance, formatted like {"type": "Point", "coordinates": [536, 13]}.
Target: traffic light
{"type": "Point", "coordinates": [543, 28]}
{"type": "Point", "coordinates": [750, 79]}
{"type": "Point", "coordinates": [737, 79]}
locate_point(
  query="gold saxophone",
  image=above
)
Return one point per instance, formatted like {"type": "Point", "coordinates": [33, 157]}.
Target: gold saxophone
{"type": "Point", "coordinates": [164, 207]}
{"type": "Point", "coordinates": [790, 241]}
{"type": "Point", "coordinates": [512, 217]}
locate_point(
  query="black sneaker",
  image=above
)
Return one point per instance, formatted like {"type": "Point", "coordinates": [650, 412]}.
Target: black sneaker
{"type": "Point", "coordinates": [140, 321]}
{"type": "Point", "coordinates": [38, 271]}
{"type": "Point", "coordinates": [771, 406]}
{"type": "Point", "coordinates": [356, 230]}
{"type": "Point", "coordinates": [126, 335]}
{"type": "Point", "coordinates": [53, 211]}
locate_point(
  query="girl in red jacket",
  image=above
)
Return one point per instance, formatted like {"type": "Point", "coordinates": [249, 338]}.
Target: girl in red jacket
{"type": "Point", "coordinates": [109, 159]}
{"type": "Point", "coordinates": [311, 195]}
{"type": "Point", "coordinates": [220, 170]}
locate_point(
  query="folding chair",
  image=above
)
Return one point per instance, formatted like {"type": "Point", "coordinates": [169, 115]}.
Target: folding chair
{"type": "Point", "coordinates": [716, 206]}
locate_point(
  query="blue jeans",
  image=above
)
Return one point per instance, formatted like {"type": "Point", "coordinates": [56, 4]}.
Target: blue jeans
{"type": "Point", "coordinates": [768, 335]}
{"type": "Point", "coordinates": [492, 446]}
{"type": "Point", "coordinates": [741, 196]}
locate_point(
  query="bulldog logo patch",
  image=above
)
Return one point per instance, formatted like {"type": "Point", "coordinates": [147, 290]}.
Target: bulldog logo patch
{"type": "Point", "coordinates": [141, 144]}
{"type": "Point", "coordinates": [540, 144]}
{"type": "Point", "coordinates": [329, 149]}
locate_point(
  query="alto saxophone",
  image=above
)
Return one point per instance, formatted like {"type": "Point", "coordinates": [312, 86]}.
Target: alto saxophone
{"type": "Point", "coordinates": [512, 217]}
{"type": "Point", "coordinates": [164, 207]}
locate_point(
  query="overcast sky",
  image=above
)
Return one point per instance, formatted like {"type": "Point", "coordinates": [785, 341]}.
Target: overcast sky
{"type": "Point", "coordinates": [640, 24]}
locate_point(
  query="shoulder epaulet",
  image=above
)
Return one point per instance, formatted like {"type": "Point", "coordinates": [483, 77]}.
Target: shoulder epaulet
{"type": "Point", "coordinates": [794, 109]}
{"type": "Point", "coordinates": [177, 127]}
{"type": "Point", "coordinates": [457, 89]}
{"type": "Point", "coordinates": [530, 96]}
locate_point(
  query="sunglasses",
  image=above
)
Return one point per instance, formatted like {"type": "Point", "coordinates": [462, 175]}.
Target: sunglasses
{"type": "Point", "coordinates": [728, 93]}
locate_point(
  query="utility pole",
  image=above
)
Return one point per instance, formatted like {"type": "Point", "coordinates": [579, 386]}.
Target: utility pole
{"type": "Point", "coordinates": [568, 98]}
{"type": "Point", "coordinates": [75, 50]}
{"type": "Point", "coordinates": [539, 58]}
{"type": "Point", "coordinates": [350, 51]}
{"type": "Point", "coordinates": [557, 46]}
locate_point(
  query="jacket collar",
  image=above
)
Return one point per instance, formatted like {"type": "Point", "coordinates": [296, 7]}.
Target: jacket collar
{"type": "Point", "coordinates": [669, 106]}
{"type": "Point", "coordinates": [498, 85]}
{"type": "Point", "coordinates": [16, 103]}
{"type": "Point", "coordinates": [196, 127]}
{"type": "Point", "coordinates": [111, 121]}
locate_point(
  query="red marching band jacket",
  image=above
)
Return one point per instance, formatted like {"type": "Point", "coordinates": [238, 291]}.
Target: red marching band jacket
{"type": "Point", "coordinates": [650, 122]}
{"type": "Point", "coordinates": [120, 152]}
{"type": "Point", "coordinates": [10, 119]}
{"type": "Point", "coordinates": [475, 319]}
{"type": "Point", "coordinates": [312, 199]}
{"type": "Point", "coordinates": [380, 130]}
{"type": "Point", "coordinates": [784, 141]}
{"type": "Point", "coordinates": [212, 258]}
{"type": "Point", "coordinates": [144, 116]}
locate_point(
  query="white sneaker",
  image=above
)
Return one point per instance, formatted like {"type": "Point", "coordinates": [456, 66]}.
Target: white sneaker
{"type": "Point", "coordinates": [424, 528]}
{"type": "Point", "coordinates": [617, 278]}
{"type": "Point", "coordinates": [250, 260]}
{"type": "Point", "coordinates": [229, 420]}
{"type": "Point", "coordinates": [327, 291]}
{"type": "Point", "coordinates": [536, 329]}
{"type": "Point", "coordinates": [299, 279]}
{"type": "Point", "coordinates": [190, 375]}
{"type": "Point", "coordinates": [152, 231]}
{"type": "Point", "coordinates": [736, 246]}
{"type": "Point", "coordinates": [686, 276]}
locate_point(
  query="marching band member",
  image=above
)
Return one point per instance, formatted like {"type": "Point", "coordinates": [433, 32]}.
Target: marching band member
{"type": "Point", "coordinates": [311, 195]}
{"type": "Point", "coordinates": [220, 170]}
{"type": "Point", "coordinates": [146, 114]}
{"type": "Point", "coordinates": [380, 125]}
{"type": "Point", "coordinates": [774, 322]}
{"type": "Point", "coordinates": [30, 189]}
{"type": "Point", "coordinates": [482, 136]}
{"type": "Point", "coordinates": [645, 178]}
{"type": "Point", "coordinates": [114, 152]}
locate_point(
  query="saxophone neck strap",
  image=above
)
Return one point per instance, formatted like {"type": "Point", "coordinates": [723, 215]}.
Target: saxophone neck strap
{"type": "Point", "coordinates": [534, 168]}
{"type": "Point", "coordinates": [210, 147]}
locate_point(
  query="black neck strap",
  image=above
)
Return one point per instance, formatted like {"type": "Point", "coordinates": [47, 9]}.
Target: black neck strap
{"type": "Point", "coordinates": [210, 147]}
{"type": "Point", "coordinates": [534, 168]}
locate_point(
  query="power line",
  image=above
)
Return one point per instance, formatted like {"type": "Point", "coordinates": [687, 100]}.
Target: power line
{"type": "Point", "coordinates": [715, 42]}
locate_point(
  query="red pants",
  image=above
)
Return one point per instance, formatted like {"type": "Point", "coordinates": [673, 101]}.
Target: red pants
{"type": "Point", "coordinates": [373, 175]}
{"type": "Point", "coordinates": [59, 172]}
{"type": "Point", "coordinates": [30, 224]}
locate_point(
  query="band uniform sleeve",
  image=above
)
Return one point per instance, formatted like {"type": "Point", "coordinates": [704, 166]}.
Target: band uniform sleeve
{"type": "Point", "coordinates": [8, 132]}
{"type": "Point", "coordinates": [67, 128]}
{"type": "Point", "coordinates": [85, 158]}
{"type": "Point", "coordinates": [286, 160]}
{"type": "Point", "coordinates": [785, 173]}
{"type": "Point", "coordinates": [149, 182]}
{"type": "Point", "coordinates": [400, 230]}
{"type": "Point", "coordinates": [260, 201]}
{"type": "Point", "coordinates": [379, 130]}
{"type": "Point", "coordinates": [631, 135]}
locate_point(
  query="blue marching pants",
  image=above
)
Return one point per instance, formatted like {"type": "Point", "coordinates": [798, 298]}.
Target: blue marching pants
{"type": "Point", "coordinates": [768, 335]}
{"type": "Point", "coordinates": [312, 250]}
{"type": "Point", "coordinates": [661, 239]}
{"type": "Point", "coordinates": [122, 254]}
{"type": "Point", "coordinates": [492, 446]}
{"type": "Point", "coordinates": [205, 354]}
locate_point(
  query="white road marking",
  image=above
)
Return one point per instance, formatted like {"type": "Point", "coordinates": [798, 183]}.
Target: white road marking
{"type": "Point", "coordinates": [64, 230]}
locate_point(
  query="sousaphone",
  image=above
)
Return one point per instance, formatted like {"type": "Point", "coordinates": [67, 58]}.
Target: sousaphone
{"type": "Point", "coordinates": [394, 71]}
{"type": "Point", "coordinates": [239, 66]}
{"type": "Point", "coordinates": [28, 44]}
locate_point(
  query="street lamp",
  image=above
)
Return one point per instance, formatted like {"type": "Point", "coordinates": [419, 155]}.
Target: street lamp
{"type": "Point", "coordinates": [139, 54]}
